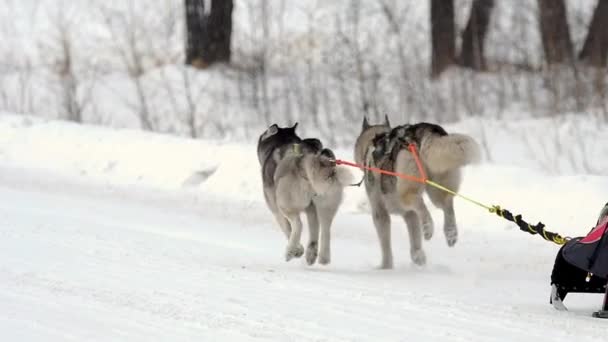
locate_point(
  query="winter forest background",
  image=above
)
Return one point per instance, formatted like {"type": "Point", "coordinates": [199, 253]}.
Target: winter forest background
{"type": "Point", "coordinates": [223, 69]}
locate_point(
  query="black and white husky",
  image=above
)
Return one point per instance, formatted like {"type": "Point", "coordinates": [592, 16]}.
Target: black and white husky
{"type": "Point", "coordinates": [442, 156]}
{"type": "Point", "coordinates": [300, 176]}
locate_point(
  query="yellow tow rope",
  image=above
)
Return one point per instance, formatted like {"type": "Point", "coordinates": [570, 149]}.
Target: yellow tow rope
{"type": "Point", "coordinates": [538, 228]}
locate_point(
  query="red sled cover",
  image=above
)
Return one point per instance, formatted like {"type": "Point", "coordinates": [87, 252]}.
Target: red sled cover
{"type": "Point", "coordinates": [590, 253]}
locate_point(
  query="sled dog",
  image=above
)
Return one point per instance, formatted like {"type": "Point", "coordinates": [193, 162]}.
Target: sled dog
{"type": "Point", "coordinates": [442, 156]}
{"type": "Point", "coordinates": [299, 175]}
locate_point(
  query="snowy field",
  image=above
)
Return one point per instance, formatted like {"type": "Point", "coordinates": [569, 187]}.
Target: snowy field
{"type": "Point", "coordinates": [114, 234]}
{"type": "Point", "coordinates": [119, 235]}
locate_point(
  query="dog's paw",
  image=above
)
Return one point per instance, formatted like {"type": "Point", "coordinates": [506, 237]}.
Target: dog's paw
{"type": "Point", "coordinates": [451, 235]}
{"type": "Point", "coordinates": [428, 228]}
{"type": "Point", "coordinates": [324, 258]}
{"type": "Point", "coordinates": [294, 252]}
{"type": "Point", "coordinates": [311, 253]}
{"type": "Point", "coordinates": [386, 265]}
{"type": "Point", "coordinates": [418, 257]}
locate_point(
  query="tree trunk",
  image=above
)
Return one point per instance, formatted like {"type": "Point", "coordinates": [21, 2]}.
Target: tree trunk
{"type": "Point", "coordinates": [471, 54]}
{"type": "Point", "coordinates": [555, 32]}
{"type": "Point", "coordinates": [208, 35]}
{"type": "Point", "coordinates": [595, 49]}
{"type": "Point", "coordinates": [195, 16]}
{"type": "Point", "coordinates": [442, 36]}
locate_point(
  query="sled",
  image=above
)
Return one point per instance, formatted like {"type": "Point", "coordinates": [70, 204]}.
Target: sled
{"type": "Point", "coordinates": [581, 266]}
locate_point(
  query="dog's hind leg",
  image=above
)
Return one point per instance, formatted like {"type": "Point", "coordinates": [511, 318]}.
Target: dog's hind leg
{"type": "Point", "coordinates": [410, 196]}
{"type": "Point", "coordinates": [414, 208]}
{"type": "Point", "coordinates": [428, 226]}
{"type": "Point", "coordinates": [449, 227]}
{"type": "Point", "coordinates": [382, 222]}
{"type": "Point", "coordinates": [271, 200]}
{"type": "Point", "coordinates": [445, 201]}
{"type": "Point", "coordinates": [284, 224]}
{"type": "Point", "coordinates": [412, 220]}
{"type": "Point", "coordinates": [294, 247]}
{"type": "Point", "coordinates": [312, 249]}
{"type": "Point", "coordinates": [326, 215]}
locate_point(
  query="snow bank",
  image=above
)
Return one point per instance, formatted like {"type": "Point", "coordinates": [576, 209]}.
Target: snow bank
{"type": "Point", "coordinates": [132, 158]}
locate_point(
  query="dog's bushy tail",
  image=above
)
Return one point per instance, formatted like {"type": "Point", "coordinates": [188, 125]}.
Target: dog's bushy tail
{"type": "Point", "coordinates": [344, 176]}
{"type": "Point", "coordinates": [325, 175]}
{"type": "Point", "coordinates": [340, 177]}
{"type": "Point", "coordinates": [444, 153]}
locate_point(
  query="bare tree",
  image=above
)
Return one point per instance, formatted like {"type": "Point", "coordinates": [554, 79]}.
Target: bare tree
{"type": "Point", "coordinates": [65, 70]}
{"type": "Point", "coordinates": [208, 34]}
{"type": "Point", "coordinates": [74, 97]}
{"type": "Point", "coordinates": [443, 34]}
{"type": "Point", "coordinates": [473, 37]}
{"type": "Point", "coordinates": [393, 21]}
{"type": "Point", "coordinates": [124, 31]}
{"type": "Point", "coordinates": [555, 32]}
{"type": "Point", "coordinates": [595, 49]}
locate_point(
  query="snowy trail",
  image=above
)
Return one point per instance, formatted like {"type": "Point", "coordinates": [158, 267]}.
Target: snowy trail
{"type": "Point", "coordinates": [80, 266]}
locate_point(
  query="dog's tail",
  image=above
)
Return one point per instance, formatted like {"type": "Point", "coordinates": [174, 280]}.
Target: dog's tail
{"type": "Point", "coordinates": [324, 174]}
{"type": "Point", "coordinates": [448, 152]}
{"type": "Point", "coordinates": [344, 176]}
{"type": "Point", "coordinates": [330, 179]}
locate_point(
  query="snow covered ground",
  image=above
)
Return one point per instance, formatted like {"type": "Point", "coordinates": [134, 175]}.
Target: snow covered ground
{"type": "Point", "coordinates": [119, 235]}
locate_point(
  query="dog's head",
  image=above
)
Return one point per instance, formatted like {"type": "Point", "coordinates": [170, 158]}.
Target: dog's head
{"type": "Point", "coordinates": [276, 137]}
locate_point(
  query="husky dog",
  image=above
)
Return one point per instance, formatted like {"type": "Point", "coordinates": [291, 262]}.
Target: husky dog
{"type": "Point", "coordinates": [442, 155]}
{"type": "Point", "coordinates": [301, 176]}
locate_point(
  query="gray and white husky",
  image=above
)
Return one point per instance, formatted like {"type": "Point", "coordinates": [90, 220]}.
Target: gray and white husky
{"type": "Point", "coordinates": [299, 175]}
{"type": "Point", "coordinates": [442, 156]}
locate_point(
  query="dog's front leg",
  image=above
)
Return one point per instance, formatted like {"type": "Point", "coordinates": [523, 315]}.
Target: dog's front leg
{"type": "Point", "coordinates": [449, 218]}
{"type": "Point", "coordinates": [413, 226]}
{"type": "Point", "coordinates": [428, 226]}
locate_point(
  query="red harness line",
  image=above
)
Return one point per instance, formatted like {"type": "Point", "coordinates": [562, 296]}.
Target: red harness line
{"type": "Point", "coordinates": [413, 151]}
{"type": "Point", "coordinates": [523, 225]}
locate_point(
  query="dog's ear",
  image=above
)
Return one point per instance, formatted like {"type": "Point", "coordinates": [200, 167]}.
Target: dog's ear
{"type": "Point", "coordinates": [386, 122]}
{"type": "Point", "coordinates": [293, 128]}
{"type": "Point", "coordinates": [365, 124]}
{"type": "Point", "coordinates": [272, 130]}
